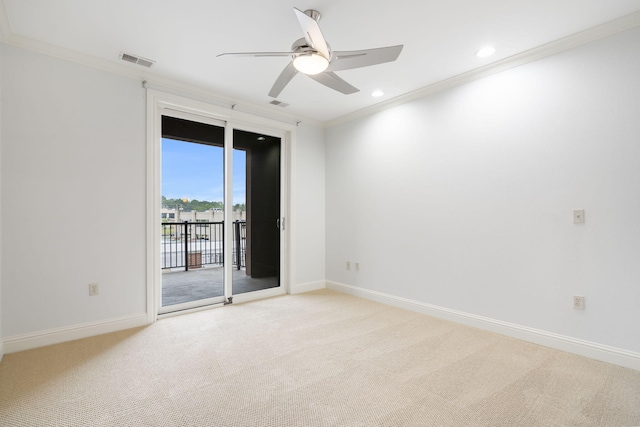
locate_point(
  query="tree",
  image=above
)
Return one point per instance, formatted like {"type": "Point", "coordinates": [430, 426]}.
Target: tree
{"type": "Point", "coordinates": [190, 205]}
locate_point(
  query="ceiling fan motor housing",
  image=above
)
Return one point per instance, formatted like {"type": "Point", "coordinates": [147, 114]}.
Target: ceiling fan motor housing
{"type": "Point", "coordinates": [300, 46]}
{"type": "Point", "coordinates": [314, 14]}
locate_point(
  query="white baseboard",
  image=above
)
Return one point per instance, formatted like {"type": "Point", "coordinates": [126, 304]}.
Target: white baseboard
{"type": "Point", "coordinates": [308, 287]}
{"type": "Point", "coordinates": [580, 347]}
{"type": "Point", "coordinates": [17, 343]}
{"type": "Point", "coordinates": [22, 342]}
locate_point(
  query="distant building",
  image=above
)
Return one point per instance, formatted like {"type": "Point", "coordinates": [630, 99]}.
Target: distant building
{"type": "Point", "coordinates": [199, 228]}
{"type": "Point", "coordinates": [213, 215]}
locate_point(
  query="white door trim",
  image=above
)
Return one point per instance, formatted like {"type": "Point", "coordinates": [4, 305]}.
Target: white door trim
{"type": "Point", "coordinates": [157, 102]}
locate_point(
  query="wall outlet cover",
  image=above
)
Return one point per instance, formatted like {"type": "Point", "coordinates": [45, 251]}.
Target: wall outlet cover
{"type": "Point", "coordinates": [94, 289]}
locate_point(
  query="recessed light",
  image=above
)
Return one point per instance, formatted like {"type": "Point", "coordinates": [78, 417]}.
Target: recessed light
{"type": "Point", "coordinates": [377, 93]}
{"type": "Point", "coordinates": [486, 51]}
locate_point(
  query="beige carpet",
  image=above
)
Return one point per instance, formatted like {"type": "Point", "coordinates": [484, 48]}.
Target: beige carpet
{"type": "Point", "coordinates": [316, 359]}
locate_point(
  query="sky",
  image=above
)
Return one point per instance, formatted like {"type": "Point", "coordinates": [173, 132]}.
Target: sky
{"type": "Point", "coordinates": [196, 171]}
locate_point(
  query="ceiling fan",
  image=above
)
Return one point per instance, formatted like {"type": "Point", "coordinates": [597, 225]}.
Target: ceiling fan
{"type": "Point", "coordinates": [311, 55]}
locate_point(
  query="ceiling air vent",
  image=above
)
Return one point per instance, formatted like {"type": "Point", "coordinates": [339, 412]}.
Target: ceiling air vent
{"type": "Point", "coordinates": [136, 60]}
{"type": "Point", "coordinates": [278, 103]}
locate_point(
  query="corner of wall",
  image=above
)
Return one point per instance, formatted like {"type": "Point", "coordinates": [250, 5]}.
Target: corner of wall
{"type": "Point", "coordinates": [441, 200]}
{"type": "Point", "coordinates": [308, 287]}
{"type": "Point", "coordinates": [1, 335]}
{"type": "Point", "coordinates": [308, 204]}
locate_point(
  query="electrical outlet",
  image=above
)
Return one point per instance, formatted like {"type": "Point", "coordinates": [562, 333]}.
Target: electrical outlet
{"type": "Point", "coordinates": [94, 289]}
{"type": "Point", "coordinates": [578, 302]}
{"type": "Point", "coordinates": [578, 216]}
{"type": "Point", "coordinates": [357, 266]}
{"type": "Point", "coordinates": [348, 265]}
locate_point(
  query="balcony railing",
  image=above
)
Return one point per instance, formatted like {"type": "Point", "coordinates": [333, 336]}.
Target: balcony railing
{"type": "Point", "coordinates": [195, 244]}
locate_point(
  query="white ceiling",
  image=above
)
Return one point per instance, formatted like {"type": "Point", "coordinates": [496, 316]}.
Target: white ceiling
{"type": "Point", "coordinates": [184, 37]}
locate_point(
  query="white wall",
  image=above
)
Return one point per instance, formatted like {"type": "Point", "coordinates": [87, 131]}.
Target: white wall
{"type": "Point", "coordinates": [309, 206]}
{"type": "Point", "coordinates": [464, 199]}
{"type": "Point", "coordinates": [1, 334]}
{"type": "Point", "coordinates": [73, 141]}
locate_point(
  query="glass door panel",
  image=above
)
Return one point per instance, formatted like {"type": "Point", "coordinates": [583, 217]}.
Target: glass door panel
{"type": "Point", "coordinates": [256, 213]}
{"type": "Point", "coordinates": [192, 242]}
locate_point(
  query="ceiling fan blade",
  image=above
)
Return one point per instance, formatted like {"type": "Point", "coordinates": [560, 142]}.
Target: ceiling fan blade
{"type": "Point", "coordinates": [332, 80]}
{"type": "Point", "coordinates": [283, 79]}
{"type": "Point", "coordinates": [312, 33]}
{"type": "Point", "coordinates": [258, 54]}
{"type": "Point", "coordinates": [347, 60]}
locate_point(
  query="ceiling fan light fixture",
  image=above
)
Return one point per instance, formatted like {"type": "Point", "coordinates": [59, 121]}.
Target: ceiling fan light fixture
{"type": "Point", "coordinates": [310, 63]}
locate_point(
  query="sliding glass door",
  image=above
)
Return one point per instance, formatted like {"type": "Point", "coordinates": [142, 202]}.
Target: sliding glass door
{"type": "Point", "coordinates": [221, 220]}
{"type": "Point", "coordinates": [257, 190]}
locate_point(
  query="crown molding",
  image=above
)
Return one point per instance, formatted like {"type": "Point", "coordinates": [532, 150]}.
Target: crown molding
{"type": "Point", "coordinates": [587, 36]}
{"type": "Point", "coordinates": [5, 25]}
{"type": "Point", "coordinates": [193, 91]}
{"type": "Point", "coordinates": [149, 78]}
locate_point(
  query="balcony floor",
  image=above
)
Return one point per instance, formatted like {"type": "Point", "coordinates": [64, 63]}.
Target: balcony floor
{"type": "Point", "coordinates": [201, 283]}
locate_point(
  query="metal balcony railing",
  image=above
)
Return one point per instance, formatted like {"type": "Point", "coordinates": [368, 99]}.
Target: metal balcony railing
{"type": "Point", "coordinates": [195, 244]}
